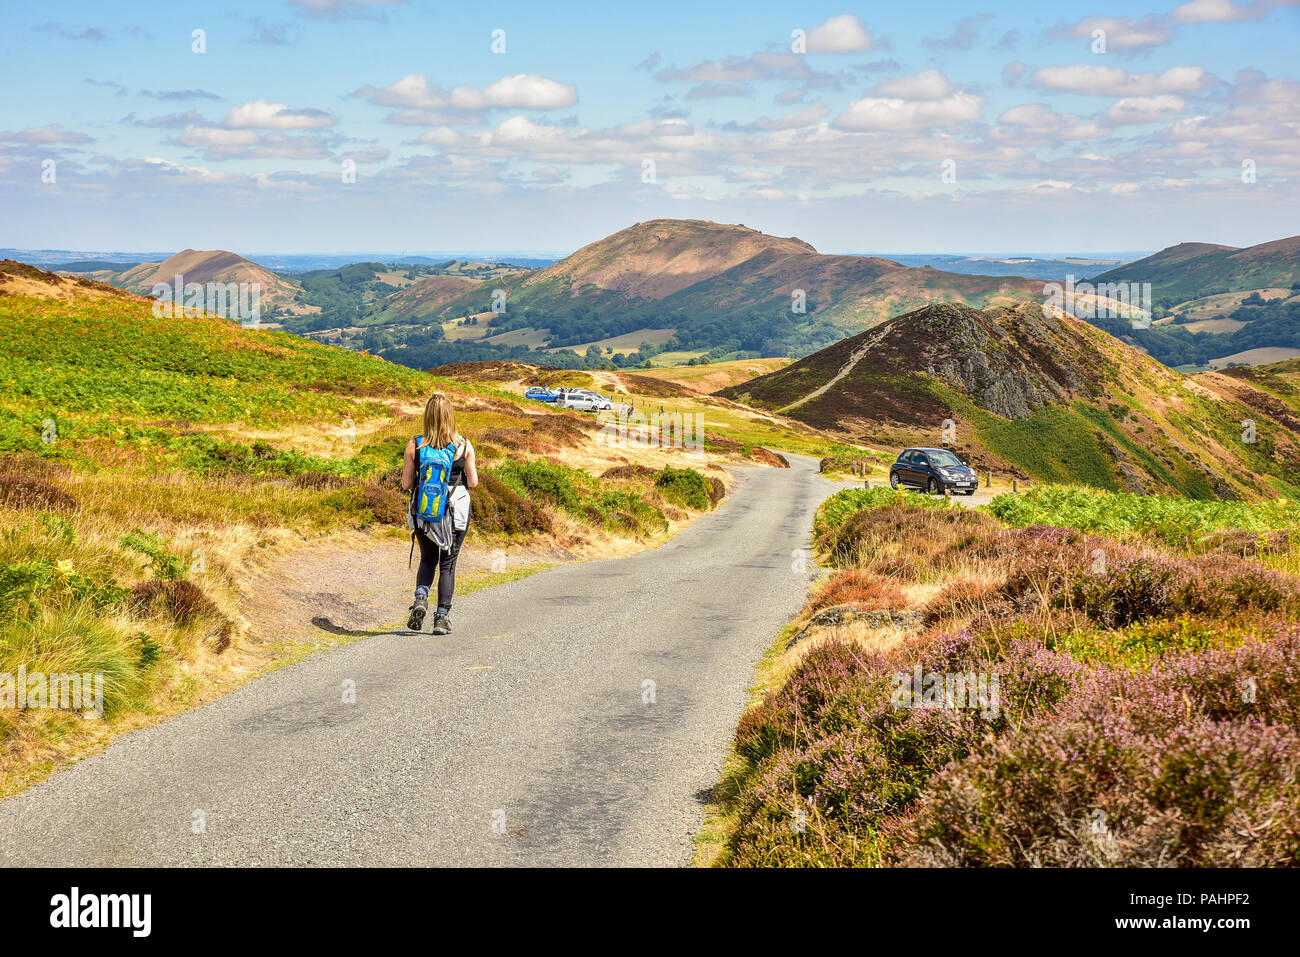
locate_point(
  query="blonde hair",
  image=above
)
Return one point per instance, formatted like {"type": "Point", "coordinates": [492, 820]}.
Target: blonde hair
{"type": "Point", "coordinates": [439, 421]}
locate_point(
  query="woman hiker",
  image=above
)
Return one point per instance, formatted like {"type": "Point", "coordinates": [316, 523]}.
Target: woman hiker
{"type": "Point", "coordinates": [439, 539]}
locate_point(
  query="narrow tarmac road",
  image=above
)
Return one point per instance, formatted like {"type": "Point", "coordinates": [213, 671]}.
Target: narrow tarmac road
{"type": "Point", "coordinates": [577, 717]}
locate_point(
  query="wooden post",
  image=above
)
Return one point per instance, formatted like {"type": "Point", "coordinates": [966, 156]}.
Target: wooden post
{"type": "Point", "coordinates": [1015, 486]}
{"type": "Point", "coordinates": [988, 478]}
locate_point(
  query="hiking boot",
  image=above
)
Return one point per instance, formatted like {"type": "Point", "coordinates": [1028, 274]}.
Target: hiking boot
{"type": "Point", "coordinates": [441, 624]}
{"type": "Point", "coordinates": [418, 611]}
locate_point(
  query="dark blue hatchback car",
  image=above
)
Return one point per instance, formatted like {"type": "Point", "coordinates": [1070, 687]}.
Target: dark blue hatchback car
{"type": "Point", "coordinates": [934, 470]}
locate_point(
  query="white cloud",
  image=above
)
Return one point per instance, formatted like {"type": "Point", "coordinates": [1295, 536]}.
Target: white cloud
{"type": "Point", "coordinates": [1114, 81]}
{"type": "Point", "coordinates": [442, 136]}
{"type": "Point", "coordinates": [1205, 11]}
{"type": "Point", "coordinates": [841, 34]}
{"type": "Point", "coordinates": [891, 113]}
{"type": "Point", "coordinates": [521, 129]}
{"type": "Point", "coordinates": [1037, 115]}
{"type": "Point", "coordinates": [1225, 11]}
{"type": "Point", "coordinates": [206, 137]}
{"type": "Point", "coordinates": [1084, 131]}
{"type": "Point", "coordinates": [798, 119]}
{"type": "Point", "coordinates": [1038, 121]}
{"type": "Point", "coordinates": [219, 142]}
{"type": "Point", "coordinates": [1123, 34]}
{"type": "Point", "coordinates": [412, 91]}
{"type": "Point", "coordinates": [165, 167]}
{"type": "Point", "coordinates": [928, 85]}
{"type": "Point", "coordinates": [1145, 109]}
{"type": "Point", "coordinates": [522, 91]}
{"type": "Point", "coordinates": [261, 115]}
{"type": "Point", "coordinates": [45, 134]}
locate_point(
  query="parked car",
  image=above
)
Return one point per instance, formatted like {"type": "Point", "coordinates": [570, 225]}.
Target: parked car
{"type": "Point", "coordinates": [542, 394]}
{"type": "Point", "coordinates": [600, 402]}
{"type": "Point", "coordinates": [580, 401]}
{"type": "Point", "coordinates": [934, 470]}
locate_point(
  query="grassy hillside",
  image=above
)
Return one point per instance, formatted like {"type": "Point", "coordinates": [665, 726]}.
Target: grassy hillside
{"type": "Point", "coordinates": [148, 465]}
{"type": "Point", "coordinates": [1103, 681]}
{"type": "Point", "coordinates": [1054, 399]}
{"type": "Point", "coordinates": [421, 298]}
{"type": "Point", "coordinates": [713, 376]}
{"type": "Point", "coordinates": [278, 295]}
{"type": "Point", "coordinates": [1193, 270]}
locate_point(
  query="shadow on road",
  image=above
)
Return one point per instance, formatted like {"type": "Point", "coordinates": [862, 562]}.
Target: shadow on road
{"type": "Point", "coordinates": [324, 624]}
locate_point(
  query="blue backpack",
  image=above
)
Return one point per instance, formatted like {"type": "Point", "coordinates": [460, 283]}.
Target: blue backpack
{"type": "Point", "coordinates": [432, 470]}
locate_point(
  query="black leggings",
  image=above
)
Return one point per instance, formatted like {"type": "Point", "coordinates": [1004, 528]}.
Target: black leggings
{"type": "Point", "coordinates": [431, 557]}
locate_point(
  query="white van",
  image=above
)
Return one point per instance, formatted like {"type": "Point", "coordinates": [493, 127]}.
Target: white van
{"type": "Point", "coordinates": [580, 401]}
{"type": "Point", "coordinates": [584, 400]}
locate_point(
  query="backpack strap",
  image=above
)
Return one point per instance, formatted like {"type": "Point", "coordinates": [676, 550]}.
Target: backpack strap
{"type": "Point", "coordinates": [415, 490]}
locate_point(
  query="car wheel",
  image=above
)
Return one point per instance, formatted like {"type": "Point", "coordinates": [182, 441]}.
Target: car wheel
{"type": "Point", "coordinates": [933, 487]}
{"type": "Point", "coordinates": [893, 480]}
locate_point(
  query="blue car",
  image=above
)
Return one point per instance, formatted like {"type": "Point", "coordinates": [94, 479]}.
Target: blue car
{"type": "Point", "coordinates": [934, 470]}
{"type": "Point", "coordinates": [541, 394]}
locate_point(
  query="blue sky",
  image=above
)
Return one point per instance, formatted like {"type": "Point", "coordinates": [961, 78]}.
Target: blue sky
{"type": "Point", "coordinates": [911, 127]}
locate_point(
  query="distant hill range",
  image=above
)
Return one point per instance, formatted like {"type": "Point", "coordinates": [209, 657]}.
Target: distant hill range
{"type": "Point", "coordinates": [711, 288]}
{"type": "Point", "coordinates": [1028, 266]}
{"type": "Point", "coordinates": [1216, 305]}
{"type": "Point", "coordinates": [676, 290]}
{"type": "Point", "coordinates": [1021, 391]}
{"type": "Point", "coordinates": [691, 288]}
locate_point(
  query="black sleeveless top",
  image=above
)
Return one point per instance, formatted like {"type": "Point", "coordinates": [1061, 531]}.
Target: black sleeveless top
{"type": "Point", "coordinates": [457, 476]}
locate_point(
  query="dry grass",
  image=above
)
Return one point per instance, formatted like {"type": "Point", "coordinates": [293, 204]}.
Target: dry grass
{"type": "Point", "coordinates": [21, 491]}
{"type": "Point", "coordinates": [860, 588]}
